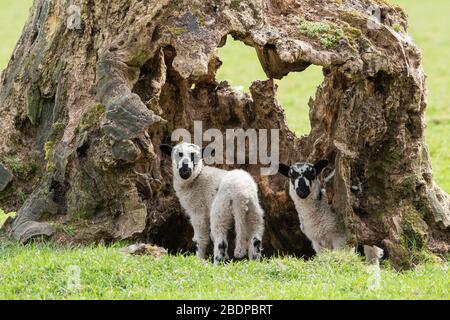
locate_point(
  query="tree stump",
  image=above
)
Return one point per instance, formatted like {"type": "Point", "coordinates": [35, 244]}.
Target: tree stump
{"type": "Point", "coordinates": [93, 87]}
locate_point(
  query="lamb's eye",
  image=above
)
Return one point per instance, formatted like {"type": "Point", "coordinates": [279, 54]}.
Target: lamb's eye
{"type": "Point", "coordinates": [294, 174]}
{"type": "Point", "coordinates": [310, 174]}
{"type": "Point", "coordinates": [180, 154]}
{"type": "Point", "coordinates": [192, 156]}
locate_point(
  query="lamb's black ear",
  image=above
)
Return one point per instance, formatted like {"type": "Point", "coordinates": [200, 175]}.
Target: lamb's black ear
{"type": "Point", "coordinates": [212, 152]}
{"type": "Point", "coordinates": [166, 149]}
{"type": "Point", "coordinates": [284, 169]}
{"type": "Point", "coordinates": [320, 165]}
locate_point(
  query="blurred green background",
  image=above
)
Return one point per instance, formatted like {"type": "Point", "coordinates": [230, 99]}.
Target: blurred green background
{"type": "Point", "coordinates": [428, 26]}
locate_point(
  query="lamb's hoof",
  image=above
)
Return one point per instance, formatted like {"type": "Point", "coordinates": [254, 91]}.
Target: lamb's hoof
{"type": "Point", "coordinates": [200, 256]}
{"type": "Point", "coordinates": [240, 253]}
{"type": "Point", "coordinates": [256, 257]}
{"type": "Point", "coordinates": [255, 251]}
{"type": "Point", "coordinates": [218, 261]}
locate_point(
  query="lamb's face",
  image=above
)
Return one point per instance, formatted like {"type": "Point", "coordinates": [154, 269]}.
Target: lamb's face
{"type": "Point", "coordinates": [186, 160]}
{"type": "Point", "coordinates": [302, 176]}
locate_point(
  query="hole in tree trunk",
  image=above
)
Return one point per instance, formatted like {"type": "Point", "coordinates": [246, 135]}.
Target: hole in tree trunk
{"type": "Point", "coordinates": [241, 67]}
{"type": "Point", "coordinates": [294, 93]}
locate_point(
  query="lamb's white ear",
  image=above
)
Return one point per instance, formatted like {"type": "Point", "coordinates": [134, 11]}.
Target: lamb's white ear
{"type": "Point", "coordinates": [320, 165]}
{"type": "Point", "coordinates": [210, 152]}
{"type": "Point", "coordinates": [284, 169]}
{"type": "Point", "coordinates": [166, 149]}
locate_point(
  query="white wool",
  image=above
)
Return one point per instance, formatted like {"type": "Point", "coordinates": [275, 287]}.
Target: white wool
{"type": "Point", "coordinates": [318, 221]}
{"type": "Point", "coordinates": [213, 199]}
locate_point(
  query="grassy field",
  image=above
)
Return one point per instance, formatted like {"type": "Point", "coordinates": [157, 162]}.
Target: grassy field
{"type": "Point", "coordinates": [46, 271]}
{"type": "Point", "coordinates": [12, 19]}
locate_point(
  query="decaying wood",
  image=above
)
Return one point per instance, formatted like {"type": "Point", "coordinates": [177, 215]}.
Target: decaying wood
{"type": "Point", "coordinates": [83, 106]}
{"type": "Point", "coordinates": [144, 249]}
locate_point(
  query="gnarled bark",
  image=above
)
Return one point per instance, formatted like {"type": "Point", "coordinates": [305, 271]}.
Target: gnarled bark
{"type": "Point", "coordinates": [83, 107]}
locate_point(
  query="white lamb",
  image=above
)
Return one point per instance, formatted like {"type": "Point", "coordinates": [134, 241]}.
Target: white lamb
{"type": "Point", "coordinates": [318, 221]}
{"type": "Point", "coordinates": [213, 199]}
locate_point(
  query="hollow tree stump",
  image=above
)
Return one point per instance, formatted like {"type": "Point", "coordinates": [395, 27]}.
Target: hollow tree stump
{"type": "Point", "coordinates": [93, 88]}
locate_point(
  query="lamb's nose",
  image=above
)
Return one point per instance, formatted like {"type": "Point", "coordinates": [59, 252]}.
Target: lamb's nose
{"type": "Point", "coordinates": [303, 194]}
{"type": "Point", "coordinates": [185, 172]}
{"type": "Point", "coordinates": [302, 189]}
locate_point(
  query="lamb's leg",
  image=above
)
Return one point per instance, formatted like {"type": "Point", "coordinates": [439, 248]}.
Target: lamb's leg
{"type": "Point", "coordinates": [339, 242]}
{"type": "Point", "coordinates": [201, 236]}
{"type": "Point", "coordinates": [255, 223]}
{"type": "Point", "coordinates": [220, 250]}
{"type": "Point", "coordinates": [221, 221]}
{"type": "Point", "coordinates": [316, 246]}
{"type": "Point", "coordinates": [240, 251]}
{"type": "Point", "coordinates": [242, 233]}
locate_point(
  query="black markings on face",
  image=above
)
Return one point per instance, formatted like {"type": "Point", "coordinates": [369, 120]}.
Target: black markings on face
{"type": "Point", "coordinates": [293, 175]}
{"type": "Point", "coordinates": [310, 173]}
{"type": "Point", "coordinates": [186, 155]}
{"type": "Point", "coordinates": [302, 176]}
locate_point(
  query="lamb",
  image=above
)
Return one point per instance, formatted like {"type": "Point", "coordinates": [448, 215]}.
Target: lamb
{"type": "Point", "coordinates": [213, 199]}
{"type": "Point", "coordinates": [318, 221]}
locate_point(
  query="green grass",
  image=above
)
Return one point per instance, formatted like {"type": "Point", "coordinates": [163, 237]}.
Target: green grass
{"type": "Point", "coordinates": [12, 19]}
{"type": "Point", "coordinates": [429, 28]}
{"type": "Point", "coordinates": [4, 216]}
{"type": "Point", "coordinates": [51, 272]}
{"type": "Point", "coordinates": [43, 271]}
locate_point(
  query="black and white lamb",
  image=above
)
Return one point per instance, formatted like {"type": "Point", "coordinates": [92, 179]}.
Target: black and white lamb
{"type": "Point", "coordinates": [318, 221]}
{"type": "Point", "coordinates": [213, 199]}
